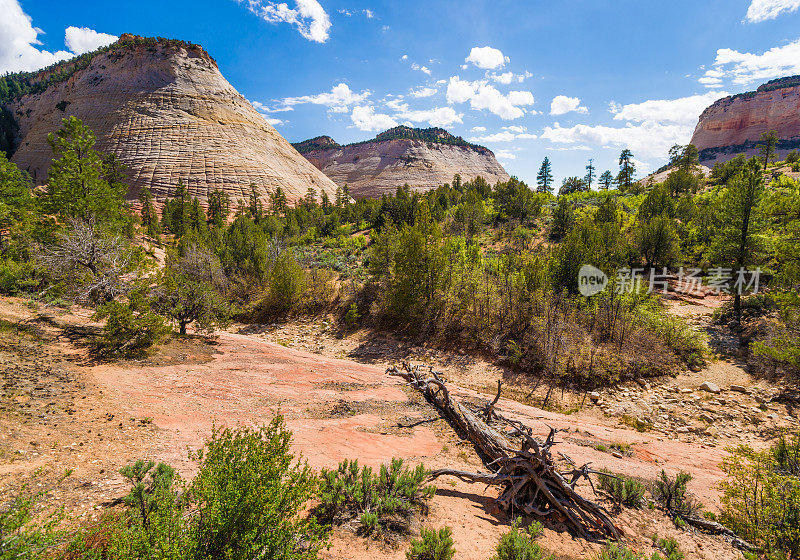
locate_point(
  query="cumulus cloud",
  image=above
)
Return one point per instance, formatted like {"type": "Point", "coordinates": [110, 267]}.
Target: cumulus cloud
{"type": "Point", "coordinates": [648, 139]}
{"type": "Point", "coordinates": [423, 69]}
{"type": "Point", "coordinates": [762, 10]}
{"type": "Point", "coordinates": [487, 58]}
{"type": "Point", "coordinates": [684, 110]}
{"type": "Point", "coordinates": [365, 118]}
{"type": "Point", "coordinates": [81, 40]}
{"type": "Point", "coordinates": [422, 92]}
{"type": "Point", "coordinates": [507, 134]}
{"type": "Point", "coordinates": [507, 77]}
{"type": "Point", "coordinates": [478, 129]}
{"type": "Point", "coordinates": [744, 68]}
{"type": "Point", "coordinates": [505, 155]}
{"type": "Point", "coordinates": [438, 116]}
{"type": "Point", "coordinates": [19, 51]}
{"type": "Point", "coordinates": [338, 100]}
{"type": "Point", "coordinates": [308, 16]}
{"type": "Point", "coordinates": [483, 96]}
{"type": "Point", "coordinates": [562, 104]}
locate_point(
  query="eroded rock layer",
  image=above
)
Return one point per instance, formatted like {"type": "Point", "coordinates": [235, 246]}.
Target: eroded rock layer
{"type": "Point", "coordinates": [168, 113]}
{"type": "Point", "coordinates": [733, 125]}
{"type": "Point", "coordinates": [381, 165]}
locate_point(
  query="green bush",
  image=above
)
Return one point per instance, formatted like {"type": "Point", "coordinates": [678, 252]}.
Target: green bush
{"type": "Point", "coordinates": [670, 547]}
{"type": "Point", "coordinates": [761, 495]}
{"type": "Point", "coordinates": [352, 316]}
{"type": "Point", "coordinates": [245, 503]}
{"type": "Point", "coordinates": [286, 282]}
{"type": "Point", "coordinates": [131, 328]}
{"type": "Point", "coordinates": [617, 551]}
{"type": "Point", "coordinates": [432, 545]}
{"type": "Point", "coordinates": [520, 544]}
{"type": "Point", "coordinates": [624, 490]}
{"type": "Point", "coordinates": [25, 535]}
{"type": "Point", "coordinates": [672, 495]}
{"type": "Point", "coordinates": [349, 491]}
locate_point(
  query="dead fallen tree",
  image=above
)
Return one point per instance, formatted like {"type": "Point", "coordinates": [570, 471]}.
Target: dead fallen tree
{"type": "Point", "coordinates": [521, 466]}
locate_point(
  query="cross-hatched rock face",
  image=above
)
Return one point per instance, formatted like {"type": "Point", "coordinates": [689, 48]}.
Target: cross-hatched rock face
{"type": "Point", "coordinates": [374, 168]}
{"type": "Point", "coordinates": [168, 113]}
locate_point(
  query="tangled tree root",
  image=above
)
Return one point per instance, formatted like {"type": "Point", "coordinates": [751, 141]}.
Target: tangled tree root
{"type": "Point", "coordinates": [529, 479]}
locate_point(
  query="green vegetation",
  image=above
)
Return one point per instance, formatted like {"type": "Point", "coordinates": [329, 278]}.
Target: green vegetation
{"type": "Point", "coordinates": [246, 501]}
{"type": "Point", "coordinates": [432, 545]}
{"type": "Point", "coordinates": [520, 543]}
{"type": "Point", "coordinates": [622, 489]}
{"type": "Point", "coordinates": [761, 496]}
{"type": "Point", "coordinates": [381, 501]}
{"type": "Point", "coordinates": [672, 495]}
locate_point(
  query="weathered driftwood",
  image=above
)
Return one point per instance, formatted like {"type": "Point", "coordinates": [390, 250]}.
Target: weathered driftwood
{"type": "Point", "coordinates": [529, 479]}
{"type": "Point", "coordinates": [719, 529]}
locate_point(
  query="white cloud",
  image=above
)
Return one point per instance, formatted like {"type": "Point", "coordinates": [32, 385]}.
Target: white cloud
{"type": "Point", "coordinates": [562, 104]}
{"type": "Point", "coordinates": [648, 139]}
{"type": "Point", "coordinates": [505, 154]}
{"type": "Point", "coordinates": [482, 96]}
{"type": "Point", "coordinates": [404, 57]}
{"type": "Point", "coordinates": [308, 16]}
{"type": "Point", "coordinates": [762, 10]}
{"type": "Point", "coordinates": [438, 116]}
{"type": "Point", "coordinates": [478, 129]}
{"type": "Point", "coordinates": [81, 40]}
{"type": "Point", "coordinates": [273, 121]}
{"type": "Point", "coordinates": [684, 110]}
{"type": "Point", "coordinates": [505, 78]}
{"type": "Point", "coordinates": [364, 117]}
{"type": "Point", "coordinates": [422, 92]}
{"type": "Point", "coordinates": [339, 99]}
{"type": "Point", "coordinates": [424, 69]}
{"type": "Point", "coordinates": [369, 13]}
{"type": "Point", "coordinates": [19, 41]}
{"type": "Point", "coordinates": [487, 58]}
{"type": "Point", "coordinates": [508, 134]}
{"type": "Point", "coordinates": [745, 68]}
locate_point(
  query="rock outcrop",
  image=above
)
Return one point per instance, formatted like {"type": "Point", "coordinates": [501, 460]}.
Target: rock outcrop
{"type": "Point", "coordinates": [733, 125]}
{"type": "Point", "coordinates": [423, 159]}
{"type": "Point", "coordinates": [166, 111]}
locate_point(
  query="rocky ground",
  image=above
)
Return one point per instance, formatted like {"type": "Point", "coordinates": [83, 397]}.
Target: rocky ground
{"type": "Point", "coordinates": [62, 410]}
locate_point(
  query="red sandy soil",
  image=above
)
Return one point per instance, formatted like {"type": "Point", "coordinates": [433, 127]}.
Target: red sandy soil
{"type": "Point", "coordinates": [158, 408]}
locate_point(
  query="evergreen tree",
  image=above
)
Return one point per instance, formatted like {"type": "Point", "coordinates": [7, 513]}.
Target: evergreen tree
{"type": "Point", "coordinates": [736, 242]}
{"type": "Point", "coordinates": [606, 180]}
{"type": "Point", "coordinates": [544, 179]}
{"type": "Point", "coordinates": [590, 174]}
{"type": "Point", "coordinates": [16, 203]}
{"type": "Point", "coordinates": [149, 214]}
{"type": "Point", "coordinates": [563, 218]}
{"type": "Point", "coordinates": [572, 185]}
{"type": "Point", "coordinates": [175, 212]}
{"type": "Point", "coordinates": [219, 208]}
{"type": "Point", "coordinates": [278, 202]}
{"type": "Point", "coordinates": [255, 206]}
{"type": "Point", "coordinates": [76, 187]}
{"type": "Point", "coordinates": [767, 147]}
{"type": "Point", "coordinates": [627, 170]}
{"type": "Point", "coordinates": [684, 157]}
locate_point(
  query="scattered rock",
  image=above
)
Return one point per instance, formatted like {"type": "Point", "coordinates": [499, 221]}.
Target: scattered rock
{"type": "Point", "coordinates": [595, 396]}
{"type": "Point", "coordinates": [710, 387]}
{"type": "Point", "coordinates": [740, 389]}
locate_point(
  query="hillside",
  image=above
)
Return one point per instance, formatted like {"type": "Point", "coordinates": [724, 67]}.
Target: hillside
{"type": "Point", "coordinates": [733, 124]}
{"type": "Point", "coordinates": [422, 158]}
{"type": "Point", "coordinates": [166, 111]}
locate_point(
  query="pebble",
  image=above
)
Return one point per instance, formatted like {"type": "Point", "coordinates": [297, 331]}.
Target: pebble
{"type": "Point", "coordinates": [710, 387]}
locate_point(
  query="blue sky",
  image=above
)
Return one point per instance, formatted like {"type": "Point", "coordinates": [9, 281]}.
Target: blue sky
{"type": "Point", "coordinates": [570, 80]}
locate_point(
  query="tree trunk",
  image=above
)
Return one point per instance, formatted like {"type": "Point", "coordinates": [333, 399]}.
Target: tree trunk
{"type": "Point", "coordinates": [520, 464]}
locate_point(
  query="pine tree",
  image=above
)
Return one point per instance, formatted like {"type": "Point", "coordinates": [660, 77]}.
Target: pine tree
{"type": "Point", "coordinates": [76, 187]}
{"type": "Point", "coordinates": [277, 201]}
{"type": "Point", "coordinates": [627, 170]}
{"type": "Point", "coordinates": [544, 179]}
{"type": "Point", "coordinates": [149, 214]}
{"type": "Point", "coordinates": [16, 202]}
{"type": "Point", "coordinates": [590, 175]}
{"type": "Point", "coordinates": [606, 180]}
{"type": "Point", "coordinates": [219, 207]}
{"type": "Point", "coordinates": [175, 213]}
{"type": "Point", "coordinates": [767, 147]}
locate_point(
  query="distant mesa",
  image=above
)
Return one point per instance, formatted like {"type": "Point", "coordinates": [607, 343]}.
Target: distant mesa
{"type": "Point", "coordinates": [422, 158]}
{"type": "Point", "coordinates": [165, 110]}
{"type": "Point", "coordinates": [733, 124]}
